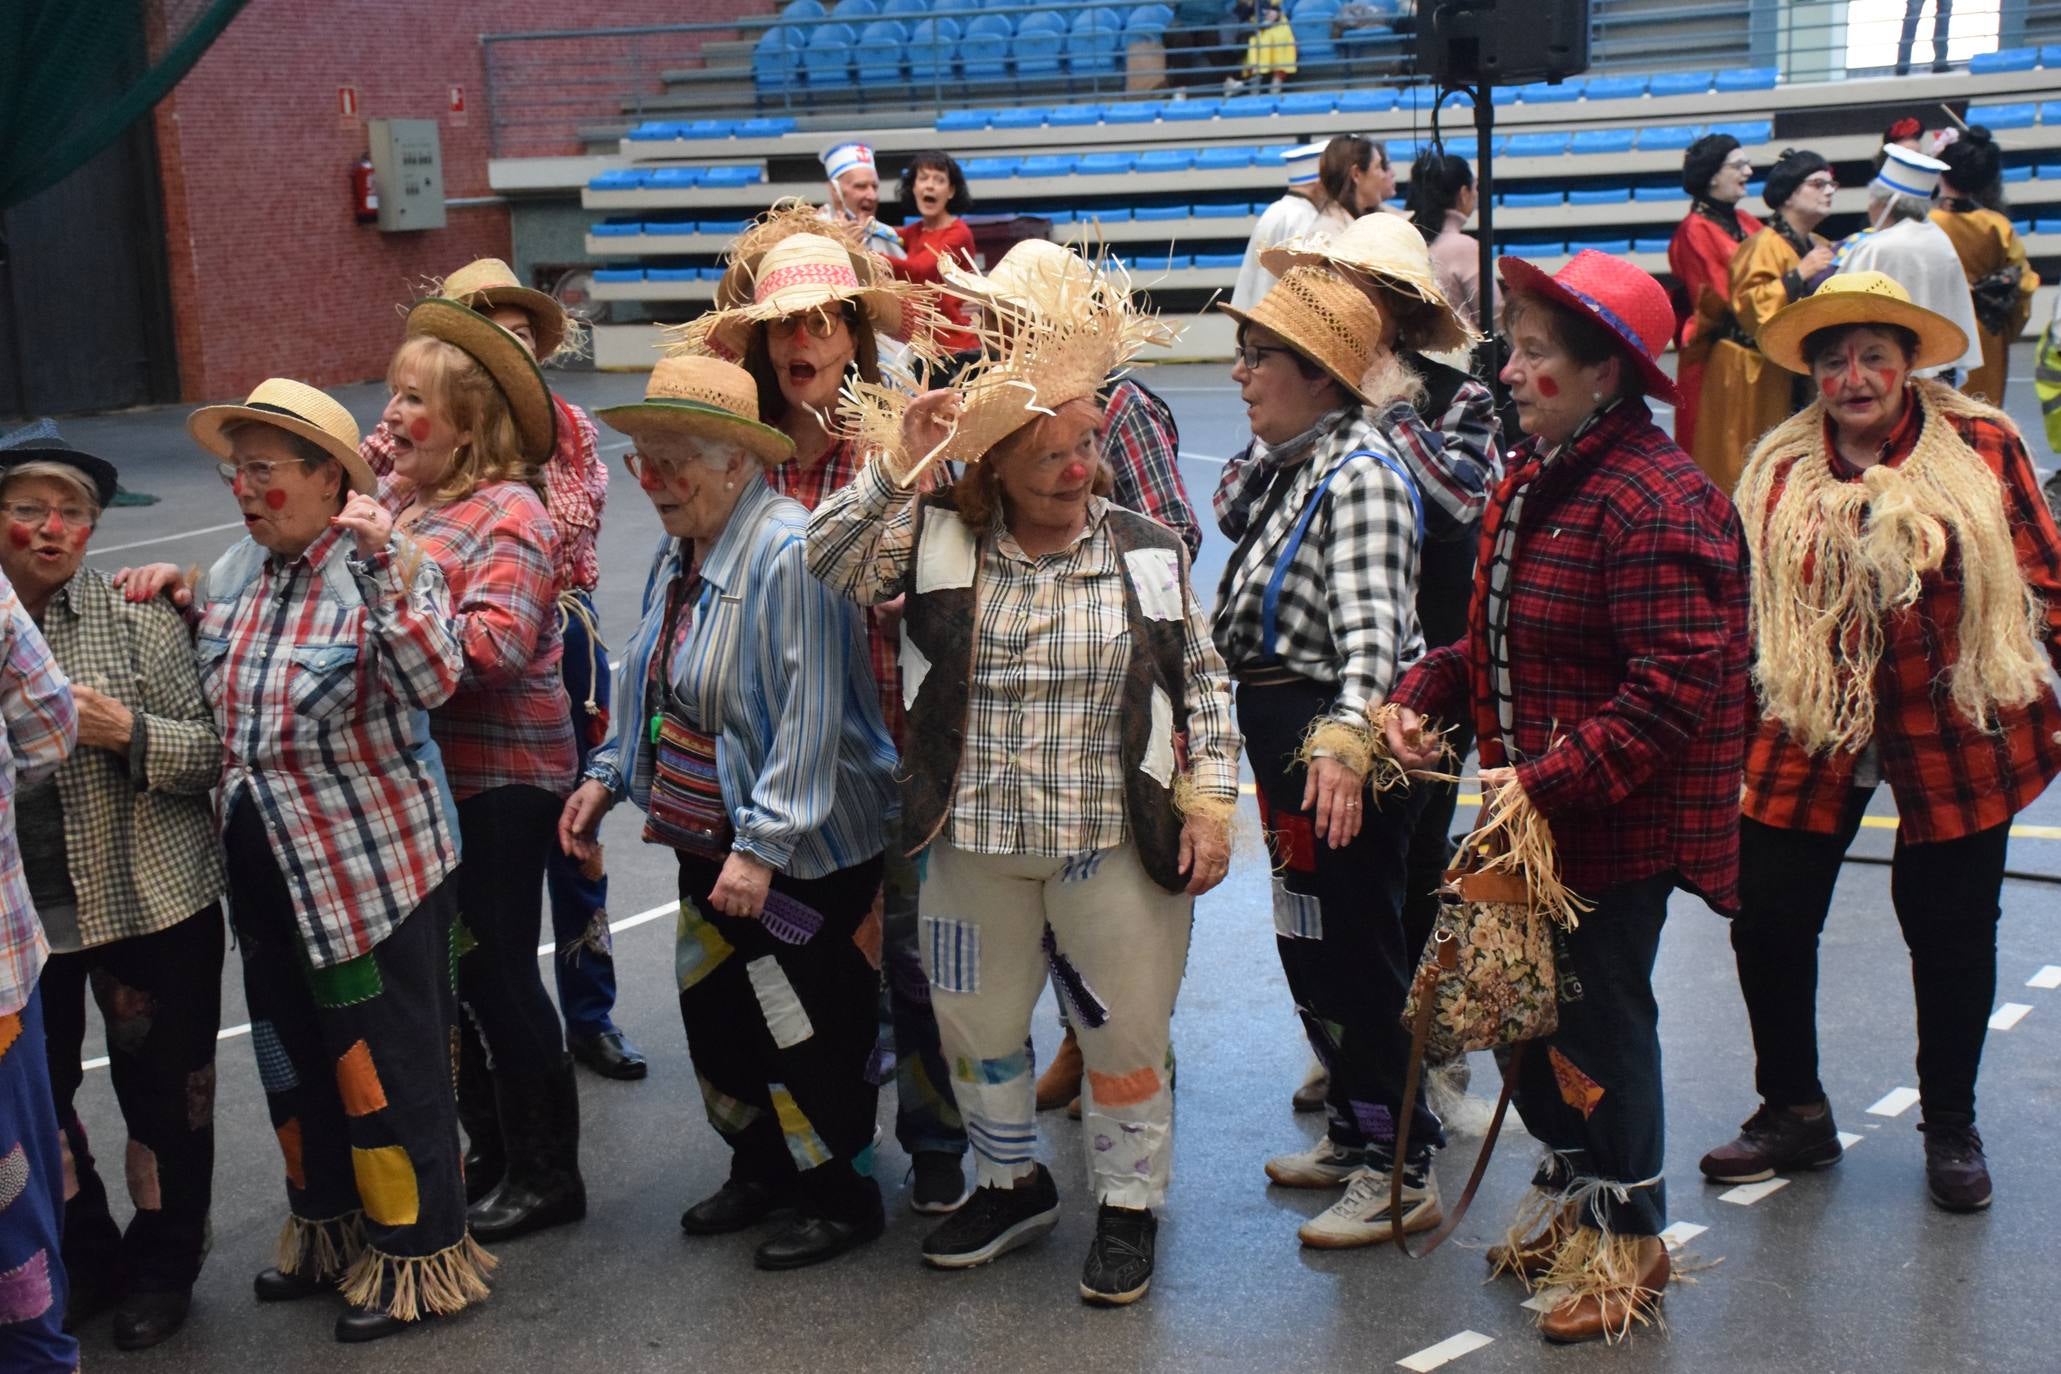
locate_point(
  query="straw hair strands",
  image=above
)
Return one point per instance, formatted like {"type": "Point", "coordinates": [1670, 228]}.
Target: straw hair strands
{"type": "Point", "coordinates": [1513, 837]}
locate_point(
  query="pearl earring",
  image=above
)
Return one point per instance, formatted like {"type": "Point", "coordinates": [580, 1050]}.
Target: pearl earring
{"type": "Point", "coordinates": [1596, 397]}
{"type": "Point", "coordinates": [729, 486]}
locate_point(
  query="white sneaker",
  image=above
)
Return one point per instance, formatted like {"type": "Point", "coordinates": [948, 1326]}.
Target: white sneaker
{"type": "Point", "coordinates": [1324, 1165]}
{"type": "Point", "coordinates": [1362, 1217]}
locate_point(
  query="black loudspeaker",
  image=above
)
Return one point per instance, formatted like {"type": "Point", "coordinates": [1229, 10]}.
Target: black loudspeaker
{"type": "Point", "coordinates": [1502, 42]}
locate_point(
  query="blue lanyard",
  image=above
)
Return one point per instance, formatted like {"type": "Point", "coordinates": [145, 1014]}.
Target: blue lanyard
{"type": "Point", "coordinates": [1270, 602]}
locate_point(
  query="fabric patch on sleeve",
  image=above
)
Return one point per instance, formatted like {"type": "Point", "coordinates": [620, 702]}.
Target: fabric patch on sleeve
{"type": "Point", "coordinates": [1577, 1089]}
{"type": "Point", "coordinates": [915, 668]}
{"type": "Point", "coordinates": [945, 553]}
{"type": "Point", "coordinates": [347, 984]}
{"type": "Point", "coordinates": [14, 1175]}
{"type": "Point", "coordinates": [289, 1133]}
{"type": "Point", "coordinates": [139, 1168]}
{"type": "Point", "coordinates": [1158, 763]}
{"type": "Point", "coordinates": [789, 921]}
{"type": "Point", "coordinates": [10, 1031]}
{"type": "Point", "coordinates": [275, 1068]}
{"type": "Point", "coordinates": [731, 1116]}
{"type": "Point", "coordinates": [1156, 575]}
{"type": "Point", "coordinates": [785, 1016]}
{"type": "Point", "coordinates": [386, 1184]}
{"type": "Point", "coordinates": [697, 948]}
{"type": "Point", "coordinates": [951, 953]}
{"type": "Point", "coordinates": [1297, 915]}
{"type": "Point", "coordinates": [25, 1291]}
{"type": "Point", "coordinates": [803, 1144]}
{"type": "Point", "coordinates": [357, 1081]}
{"type": "Point", "coordinates": [1123, 1089]}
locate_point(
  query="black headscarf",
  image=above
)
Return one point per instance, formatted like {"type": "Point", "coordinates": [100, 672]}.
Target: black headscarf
{"type": "Point", "coordinates": [1791, 170]}
{"type": "Point", "coordinates": [1705, 156]}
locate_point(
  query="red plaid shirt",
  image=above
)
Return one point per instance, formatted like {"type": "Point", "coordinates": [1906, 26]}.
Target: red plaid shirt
{"type": "Point", "coordinates": [1949, 776]}
{"type": "Point", "coordinates": [1628, 654]}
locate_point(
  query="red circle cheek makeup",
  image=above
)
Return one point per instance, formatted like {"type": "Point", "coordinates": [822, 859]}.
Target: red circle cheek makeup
{"type": "Point", "coordinates": [276, 500]}
{"type": "Point", "coordinates": [418, 430]}
{"type": "Point", "coordinates": [1546, 387]}
{"type": "Point", "coordinates": [20, 537]}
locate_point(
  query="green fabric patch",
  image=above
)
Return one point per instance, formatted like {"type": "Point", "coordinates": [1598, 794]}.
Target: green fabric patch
{"type": "Point", "coordinates": [347, 984]}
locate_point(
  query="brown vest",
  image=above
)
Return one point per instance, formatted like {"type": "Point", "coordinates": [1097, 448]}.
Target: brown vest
{"type": "Point", "coordinates": [941, 624]}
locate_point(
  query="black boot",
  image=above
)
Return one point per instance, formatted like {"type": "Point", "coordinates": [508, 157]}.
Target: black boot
{"type": "Point", "coordinates": [485, 1160]}
{"type": "Point", "coordinates": [540, 1121]}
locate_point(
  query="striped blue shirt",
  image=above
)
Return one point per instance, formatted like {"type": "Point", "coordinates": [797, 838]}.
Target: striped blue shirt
{"type": "Point", "coordinates": [774, 666]}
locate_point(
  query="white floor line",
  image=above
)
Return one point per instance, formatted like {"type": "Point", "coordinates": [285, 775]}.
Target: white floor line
{"type": "Point", "coordinates": [1746, 1194]}
{"type": "Point", "coordinates": [1847, 1140]}
{"type": "Point", "coordinates": [2048, 977]}
{"type": "Point", "coordinates": [1895, 1102]}
{"type": "Point", "coordinates": [2007, 1016]}
{"type": "Point", "coordinates": [100, 549]}
{"type": "Point", "coordinates": [1681, 1233]}
{"type": "Point", "coordinates": [1451, 1348]}
{"type": "Point", "coordinates": [1204, 457]}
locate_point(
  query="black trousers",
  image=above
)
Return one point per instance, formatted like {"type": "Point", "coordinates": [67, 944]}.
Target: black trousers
{"type": "Point", "coordinates": [161, 998]}
{"type": "Point", "coordinates": [1338, 926]}
{"type": "Point", "coordinates": [1591, 1091]}
{"type": "Point", "coordinates": [507, 834]}
{"type": "Point", "coordinates": [1947, 898]}
{"type": "Point", "coordinates": [1445, 582]}
{"type": "Point", "coordinates": [782, 1035]}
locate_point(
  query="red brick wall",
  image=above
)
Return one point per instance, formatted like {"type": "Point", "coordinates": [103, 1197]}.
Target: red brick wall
{"type": "Point", "coordinates": [270, 274]}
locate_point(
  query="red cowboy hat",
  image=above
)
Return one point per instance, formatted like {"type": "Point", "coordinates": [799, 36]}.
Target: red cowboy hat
{"type": "Point", "coordinates": [1620, 297]}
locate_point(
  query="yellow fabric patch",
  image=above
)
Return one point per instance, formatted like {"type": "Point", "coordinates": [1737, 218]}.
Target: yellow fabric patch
{"type": "Point", "coordinates": [386, 1184]}
{"type": "Point", "coordinates": [806, 1147]}
{"type": "Point", "coordinates": [697, 948]}
{"type": "Point", "coordinates": [357, 1081]}
{"type": "Point", "coordinates": [1577, 1089]}
{"type": "Point", "coordinates": [289, 1133]}
{"type": "Point", "coordinates": [1123, 1090]}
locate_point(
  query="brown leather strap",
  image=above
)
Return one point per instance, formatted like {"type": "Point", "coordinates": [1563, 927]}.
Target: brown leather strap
{"type": "Point", "coordinates": [1420, 1033]}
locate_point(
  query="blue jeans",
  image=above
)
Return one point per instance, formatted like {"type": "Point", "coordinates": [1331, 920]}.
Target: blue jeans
{"type": "Point", "coordinates": [33, 1292]}
{"type": "Point", "coordinates": [584, 962]}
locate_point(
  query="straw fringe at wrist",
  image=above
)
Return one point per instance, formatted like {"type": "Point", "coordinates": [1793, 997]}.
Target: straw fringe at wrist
{"type": "Point", "coordinates": [1513, 837]}
{"type": "Point", "coordinates": [1388, 772]}
{"type": "Point", "coordinates": [1191, 802]}
{"type": "Point", "coordinates": [1351, 745]}
{"type": "Point", "coordinates": [317, 1249]}
{"type": "Point", "coordinates": [448, 1281]}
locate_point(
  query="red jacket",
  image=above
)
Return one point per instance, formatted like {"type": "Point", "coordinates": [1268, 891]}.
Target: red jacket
{"type": "Point", "coordinates": [922, 251]}
{"type": "Point", "coordinates": [1627, 638]}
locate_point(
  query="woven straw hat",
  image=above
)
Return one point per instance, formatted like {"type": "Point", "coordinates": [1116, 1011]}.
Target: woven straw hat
{"type": "Point", "coordinates": [1325, 318]}
{"type": "Point", "coordinates": [1623, 299]}
{"type": "Point", "coordinates": [487, 284]}
{"type": "Point", "coordinates": [1387, 249]}
{"type": "Point", "coordinates": [298, 409]}
{"type": "Point", "coordinates": [506, 360]}
{"type": "Point", "coordinates": [1859, 298]}
{"type": "Point", "coordinates": [704, 397]}
{"type": "Point", "coordinates": [1029, 277]}
{"type": "Point", "coordinates": [806, 271]}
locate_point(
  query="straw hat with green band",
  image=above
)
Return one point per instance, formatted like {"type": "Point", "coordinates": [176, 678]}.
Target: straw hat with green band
{"type": "Point", "coordinates": [506, 360]}
{"type": "Point", "coordinates": [297, 408]}
{"type": "Point", "coordinates": [1859, 298]}
{"type": "Point", "coordinates": [488, 284]}
{"type": "Point", "coordinates": [705, 398]}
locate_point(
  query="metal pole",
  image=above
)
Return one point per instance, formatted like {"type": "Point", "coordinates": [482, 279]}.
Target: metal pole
{"type": "Point", "coordinates": [1485, 204]}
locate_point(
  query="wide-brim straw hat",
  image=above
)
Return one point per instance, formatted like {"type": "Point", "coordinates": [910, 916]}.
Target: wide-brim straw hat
{"type": "Point", "coordinates": [1624, 299]}
{"type": "Point", "coordinates": [1032, 276]}
{"type": "Point", "coordinates": [706, 398]}
{"type": "Point", "coordinates": [1390, 251]}
{"type": "Point", "coordinates": [1859, 298]}
{"type": "Point", "coordinates": [40, 443]}
{"type": "Point", "coordinates": [505, 359]}
{"type": "Point", "coordinates": [1323, 317]}
{"type": "Point", "coordinates": [298, 409]}
{"type": "Point", "coordinates": [802, 272]}
{"type": "Point", "coordinates": [488, 284]}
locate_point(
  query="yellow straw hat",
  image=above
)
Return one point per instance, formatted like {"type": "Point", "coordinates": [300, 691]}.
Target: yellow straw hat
{"type": "Point", "coordinates": [487, 284]}
{"type": "Point", "coordinates": [1389, 250]}
{"type": "Point", "coordinates": [297, 408]}
{"type": "Point", "coordinates": [1325, 318]}
{"type": "Point", "coordinates": [506, 360]}
{"type": "Point", "coordinates": [1031, 276]}
{"type": "Point", "coordinates": [703, 397]}
{"type": "Point", "coordinates": [1859, 298]}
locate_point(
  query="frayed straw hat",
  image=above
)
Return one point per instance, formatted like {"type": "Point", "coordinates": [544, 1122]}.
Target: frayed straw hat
{"type": "Point", "coordinates": [300, 410]}
{"type": "Point", "coordinates": [1859, 298]}
{"type": "Point", "coordinates": [1390, 252]}
{"type": "Point", "coordinates": [505, 359]}
{"type": "Point", "coordinates": [1030, 274]}
{"type": "Point", "coordinates": [703, 397]}
{"type": "Point", "coordinates": [488, 284]}
{"type": "Point", "coordinates": [1326, 319]}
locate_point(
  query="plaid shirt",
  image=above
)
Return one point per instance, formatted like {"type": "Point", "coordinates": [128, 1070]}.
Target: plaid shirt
{"type": "Point", "coordinates": [321, 671]}
{"type": "Point", "coordinates": [1950, 777]}
{"type": "Point", "coordinates": [42, 727]}
{"type": "Point", "coordinates": [138, 826]}
{"type": "Point", "coordinates": [1347, 613]}
{"type": "Point", "coordinates": [575, 489]}
{"type": "Point", "coordinates": [506, 724]}
{"type": "Point", "coordinates": [1626, 627]}
{"type": "Point", "coordinates": [1143, 452]}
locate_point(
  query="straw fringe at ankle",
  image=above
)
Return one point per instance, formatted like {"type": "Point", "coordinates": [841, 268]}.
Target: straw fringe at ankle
{"type": "Point", "coordinates": [319, 1249]}
{"type": "Point", "coordinates": [1605, 1266]}
{"type": "Point", "coordinates": [440, 1284]}
{"type": "Point", "coordinates": [1539, 1214]}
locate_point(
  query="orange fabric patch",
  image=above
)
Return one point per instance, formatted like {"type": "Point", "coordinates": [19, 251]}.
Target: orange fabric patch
{"type": "Point", "coordinates": [289, 1134]}
{"type": "Point", "coordinates": [358, 1082]}
{"type": "Point", "coordinates": [10, 1031]}
{"type": "Point", "coordinates": [1577, 1089]}
{"type": "Point", "coordinates": [1123, 1090]}
{"type": "Point", "coordinates": [867, 936]}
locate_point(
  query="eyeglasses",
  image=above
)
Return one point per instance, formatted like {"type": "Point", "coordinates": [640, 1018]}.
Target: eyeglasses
{"type": "Point", "coordinates": [258, 473]}
{"type": "Point", "coordinates": [820, 324]}
{"type": "Point", "coordinates": [1821, 182]}
{"type": "Point", "coordinates": [645, 468]}
{"type": "Point", "coordinates": [38, 513]}
{"type": "Point", "coordinates": [1250, 355]}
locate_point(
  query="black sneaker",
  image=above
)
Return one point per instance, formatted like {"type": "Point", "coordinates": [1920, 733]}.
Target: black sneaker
{"type": "Point", "coordinates": [1775, 1140]}
{"type": "Point", "coordinates": [1119, 1267]}
{"type": "Point", "coordinates": [1955, 1171]}
{"type": "Point", "coordinates": [993, 1222]}
{"type": "Point", "coordinates": [940, 1182]}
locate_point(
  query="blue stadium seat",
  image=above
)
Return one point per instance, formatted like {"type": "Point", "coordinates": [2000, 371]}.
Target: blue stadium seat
{"type": "Point", "coordinates": [709, 274]}
{"type": "Point", "coordinates": [1213, 261]}
{"type": "Point", "coordinates": [1157, 213]}
{"type": "Point", "coordinates": [1094, 41]}
{"type": "Point", "coordinates": [1222, 159]}
{"type": "Point", "coordinates": [1073, 116]}
{"type": "Point", "coordinates": [662, 228]}
{"type": "Point", "coordinates": [670, 273]}
{"type": "Point", "coordinates": [1590, 141]}
{"type": "Point", "coordinates": [1027, 117]}
{"type": "Point", "coordinates": [1678, 83]}
{"type": "Point", "coordinates": [2007, 116]}
{"type": "Point", "coordinates": [765, 126]}
{"type": "Point", "coordinates": [1747, 79]}
{"type": "Point", "coordinates": [961, 121]}
{"type": "Point", "coordinates": [1601, 195]}
{"type": "Point", "coordinates": [1400, 149]}
{"type": "Point", "coordinates": [1650, 245]}
{"type": "Point", "coordinates": [1249, 106]}
{"type": "Point", "coordinates": [2050, 113]}
{"type": "Point", "coordinates": [1049, 165]}
{"type": "Point", "coordinates": [1614, 247]}
{"type": "Point", "coordinates": [2043, 226]}
{"type": "Point", "coordinates": [2022, 227]}
{"type": "Point", "coordinates": [1189, 110]}
{"type": "Point", "coordinates": [674, 178]}
{"type": "Point", "coordinates": [726, 228]}
{"type": "Point", "coordinates": [611, 229]}
{"type": "Point", "coordinates": [1468, 148]}
{"type": "Point", "coordinates": [1538, 145]}
{"type": "Point", "coordinates": [1107, 214]}
{"type": "Point", "coordinates": [988, 168]}
{"type": "Point", "coordinates": [855, 12]}
{"type": "Point", "coordinates": [878, 58]}
{"type": "Point", "coordinates": [1614, 88]}
{"type": "Point", "coordinates": [1040, 45]}
{"type": "Point", "coordinates": [618, 274]}
{"type": "Point", "coordinates": [799, 10]}
{"type": "Point", "coordinates": [827, 60]}
{"type": "Point", "coordinates": [933, 46]}
{"type": "Point", "coordinates": [1666, 138]}
{"type": "Point", "coordinates": [1159, 262]}
{"type": "Point", "coordinates": [1307, 103]}
{"type": "Point", "coordinates": [1147, 23]}
{"type": "Point", "coordinates": [710, 128]}
{"type": "Point", "coordinates": [1529, 200]}
{"type": "Point", "coordinates": [1311, 25]}
{"type": "Point", "coordinates": [1750, 133]}
{"type": "Point", "coordinates": [731, 178]}
{"type": "Point", "coordinates": [1106, 164]}
{"type": "Point", "coordinates": [1657, 195]}
{"type": "Point", "coordinates": [776, 60]}
{"type": "Point", "coordinates": [1235, 210]}
{"type": "Point", "coordinates": [1544, 93]}
{"type": "Point", "coordinates": [1166, 160]}
{"type": "Point", "coordinates": [2016, 174]}
{"type": "Point", "coordinates": [1506, 95]}
{"type": "Point", "coordinates": [1377, 101]}
{"type": "Point", "coordinates": [2004, 60]}
{"type": "Point", "coordinates": [655, 132]}
{"type": "Point", "coordinates": [2047, 171]}
{"type": "Point", "coordinates": [911, 10]}
{"type": "Point", "coordinates": [1133, 112]}
{"type": "Point", "coordinates": [984, 51]}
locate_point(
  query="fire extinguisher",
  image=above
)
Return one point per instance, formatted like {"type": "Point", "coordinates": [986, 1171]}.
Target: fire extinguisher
{"type": "Point", "coordinates": [364, 192]}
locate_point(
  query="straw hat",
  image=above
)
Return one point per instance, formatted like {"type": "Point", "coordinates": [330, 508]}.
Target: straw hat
{"type": "Point", "coordinates": [1859, 298]}
{"type": "Point", "coordinates": [1388, 249]}
{"type": "Point", "coordinates": [39, 443]}
{"type": "Point", "coordinates": [487, 284]}
{"type": "Point", "coordinates": [1620, 297]}
{"type": "Point", "coordinates": [808, 271]}
{"type": "Point", "coordinates": [510, 365]}
{"type": "Point", "coordinates": [1030, 275]}
{"type": "Point", "coordinates": [789, 216]}
{"type": "Point", "coordinates": [298, 409]}
{"type": "Point", "coordinates": [1323, 317]}
{"type": "Point", "coordinates": [704, 397]}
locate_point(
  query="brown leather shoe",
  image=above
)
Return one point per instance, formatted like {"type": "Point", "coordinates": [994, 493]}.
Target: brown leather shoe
{"type": "Point", "coordinates": [1529, 1259]}
{"type": "Point", "coordinates": [1609, 1314]}
{"type": "Point", "coordinates": [1060, 1083]}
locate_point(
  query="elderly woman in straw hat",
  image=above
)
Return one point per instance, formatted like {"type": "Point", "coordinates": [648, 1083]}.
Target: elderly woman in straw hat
{"type": "Point", "coordinates": [1051, 650]}
{"type": "Point", "coordinates": [755, 748]}
{"type": "Point", "coordinates": [125, 869]}
{"type": "Point", "coordinates": [1906, 609]}
{"type": "Point", "coordinates": [1604, 665]}
{"type": "Point", "coordinates": [324, 637]}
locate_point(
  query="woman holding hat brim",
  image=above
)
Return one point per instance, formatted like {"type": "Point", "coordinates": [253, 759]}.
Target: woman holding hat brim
{"type": "Point", "coordinates": [324, 639]}
{"type": "Point", "coordinates": [1051, 650]}
{"type": "Point", "coordinates": [1316, 618]}
{"type": "Point", "coordinates": [1715, 170]}
{"type": "Point", "coordinates": [1907, 606]}
{"type": "Point", "coordinates": [125, 868]}
{"type": "Point", "coordinates": [472, 422]}
{"type": "Point", "coordinates": [1604, 664]}
{"type": "Point", "coordinates": [754, 745]}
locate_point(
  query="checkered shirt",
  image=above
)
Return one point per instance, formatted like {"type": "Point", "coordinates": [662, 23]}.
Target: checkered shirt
{"type": "Point", "coordinates": [42, 727]}
{"type": "Point", "coordinates": [1143, 452]}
